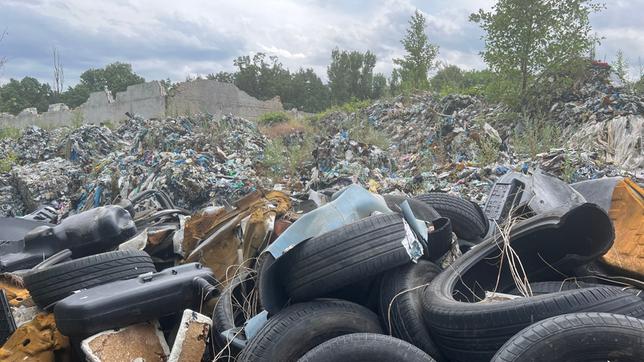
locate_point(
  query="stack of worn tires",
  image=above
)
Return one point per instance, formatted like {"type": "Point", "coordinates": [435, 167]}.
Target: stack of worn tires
{"type": "Point", "coordinates": [357, 294]}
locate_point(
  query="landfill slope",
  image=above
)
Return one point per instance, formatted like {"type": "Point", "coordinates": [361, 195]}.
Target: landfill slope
{"type": "Point", "coordinates": [458, 143]}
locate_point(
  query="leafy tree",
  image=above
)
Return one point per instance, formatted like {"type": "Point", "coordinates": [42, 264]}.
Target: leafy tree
{"type": "Point", "coordinates": [525, 38]}
{"type": "Point", "coordinates": [307, 92]}
{"type": "Point", "coordinates": [224, 77]}
{"type": "Point", "coordinates": [28, 92]}
{"type": "Point", "coordinates": [379, 88]}
{"type": "Point", "coordinates": [350, 75]}
{"type": "Point", "coordinates": [448, 78]}
{"type": "Point", "coordinates": [264, 77]}
{"type": "Point", "coordinates": [415, 66]}
{"type": "Point", "coordinates": [261, 78]}
{"type": "Point", "coordinates": [116, 77]}
{"type": "Point", "coordinates": [394, 82]}
{"type": "Point", "coordinates": [75, 96]}
{"type": "Point", "coordinates": [638, 86]}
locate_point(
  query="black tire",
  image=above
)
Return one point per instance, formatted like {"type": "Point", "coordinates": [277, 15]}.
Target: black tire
{"type": "Point", "coordinates": [540, 288]}
{"type": "Point", "coordinates": [365, 347]}
{"type": "Point", "coordinates": [49, 285]}
{"type": "Point", "coordinates": [344, 256]}
{"type": "Point", "coordinates": [404, 310]}
{"type": "Point", "coordinates": [576, 338]}
{"type": "Point", "coordinates": [466, 331]}
{"type": "Point", "coordinates": [297, 329]}
{"type": "Point", "coordinates": [468, 219]}
{"type": "Point", "coordinates": [421, 210]}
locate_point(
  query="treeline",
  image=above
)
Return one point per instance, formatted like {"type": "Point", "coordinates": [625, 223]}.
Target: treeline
{"type": "Point", "coordinates": [17, 95]}
{"type": "Point", "coordinates": [534, 52]}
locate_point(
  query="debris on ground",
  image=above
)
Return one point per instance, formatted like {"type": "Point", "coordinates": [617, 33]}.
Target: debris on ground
{"type": "Point", "coordinates": [434, 220]}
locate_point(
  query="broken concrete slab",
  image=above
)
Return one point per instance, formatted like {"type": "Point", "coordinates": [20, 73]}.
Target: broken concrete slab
{"type": "Point", "coordinates": [190, 343]}
{"type": "Point", "coordinates": [140, 341]}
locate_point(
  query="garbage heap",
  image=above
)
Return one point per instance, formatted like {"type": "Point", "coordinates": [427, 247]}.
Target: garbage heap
{"type": "Point", "coordinates": [340, 275]}
{"type": "Point", "coordinates": [197, 160]}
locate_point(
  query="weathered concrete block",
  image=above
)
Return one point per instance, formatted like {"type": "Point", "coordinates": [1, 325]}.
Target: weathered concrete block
{"type": "Point", "coordinates": [190, 343]}
{"type": "Point", "coordinates": [143, 341]}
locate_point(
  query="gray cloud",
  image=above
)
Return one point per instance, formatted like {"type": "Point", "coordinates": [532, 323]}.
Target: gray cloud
{"type": "Point", "coordinates": [168, 38]}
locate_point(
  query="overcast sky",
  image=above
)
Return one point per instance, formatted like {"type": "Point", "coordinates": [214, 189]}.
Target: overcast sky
{"type": "Point", "coordinates": [180, 38]}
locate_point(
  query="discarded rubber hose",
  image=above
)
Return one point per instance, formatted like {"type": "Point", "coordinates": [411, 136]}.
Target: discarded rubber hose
{"type": "Point", "coordinates": [206, 290]}
{"type": "Point", "coordinates": [575, 338]}
{"type": "Point", "coordinates": [223, 315]}
{"type": "Point", "coordinates": [366, 347]}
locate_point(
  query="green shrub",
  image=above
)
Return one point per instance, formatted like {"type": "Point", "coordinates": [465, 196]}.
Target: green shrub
{"type": "Point", "coordinates": [488, 151]}
{"type": "Point", "coordinates": [8, 162]}
{"type": "Point", "coordinates": [273, 117]}
{"type": "Point", "coordinates": [282, 160]}
{"type": "Point", "coordinates": [537, 136]}
{"type": "Point", "coordinates": [9, 132]}
{"type": "Point", "coordinates": [369, 135]}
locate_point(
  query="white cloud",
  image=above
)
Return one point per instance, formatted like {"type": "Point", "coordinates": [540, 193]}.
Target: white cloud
{"type": "Point", "coordinates": [169, 38]}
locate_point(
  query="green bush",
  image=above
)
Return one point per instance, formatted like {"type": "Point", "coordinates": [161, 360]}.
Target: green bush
{"type": "Point", "coordinates": [8, 162]}
{"type": "Point", "coordinates": [488, 151]}
{"type": "Point", "coordinates": [273, 117]}
{"type": "Point", "coordinates": [9, 132]}
{"type": "Point", "coordinates": [369, 135]}
{"type": "Point", "coordinates": [537, 136]}
{"type": "Point", "coordinates": [282, 160]}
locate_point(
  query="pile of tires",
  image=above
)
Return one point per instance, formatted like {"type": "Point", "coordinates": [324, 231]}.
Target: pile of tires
{"type": "Point", "coordinates": [355, 294]}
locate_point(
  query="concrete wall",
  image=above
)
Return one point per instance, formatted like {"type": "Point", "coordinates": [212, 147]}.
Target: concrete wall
{"type": "Point", "coordinates": [150, 101]}
{"type": "Point", "coordinates": [217, 98]}
{"type": "Point", "coordinates": [145, 99]}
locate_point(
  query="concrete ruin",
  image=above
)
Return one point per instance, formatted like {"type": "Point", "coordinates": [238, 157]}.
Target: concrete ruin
{"type": "Point", "coordinates": [149, 100]}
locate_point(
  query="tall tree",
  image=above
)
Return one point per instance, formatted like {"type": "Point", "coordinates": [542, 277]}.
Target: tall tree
{"type": "Point", "coordinates": [350, 75]}
{"type": "Point", "coordinates": [529, 37]}
{"type": "Point", "coordinates": [307, 92]}
{"type": "Point", "coordinates": [415, 66]}
{"type": "Point", "coordinates": [116, 77]}
{"type": "Point", "coordinates": [448, 78]}
{"type": "Point", "coordinates": [26, 93]}
{"type": "Point", "coordinates": [379, 88]}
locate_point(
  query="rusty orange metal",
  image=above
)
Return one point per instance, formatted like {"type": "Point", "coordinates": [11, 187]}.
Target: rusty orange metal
{"type": "Point", "coordinates": [627, 213]}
